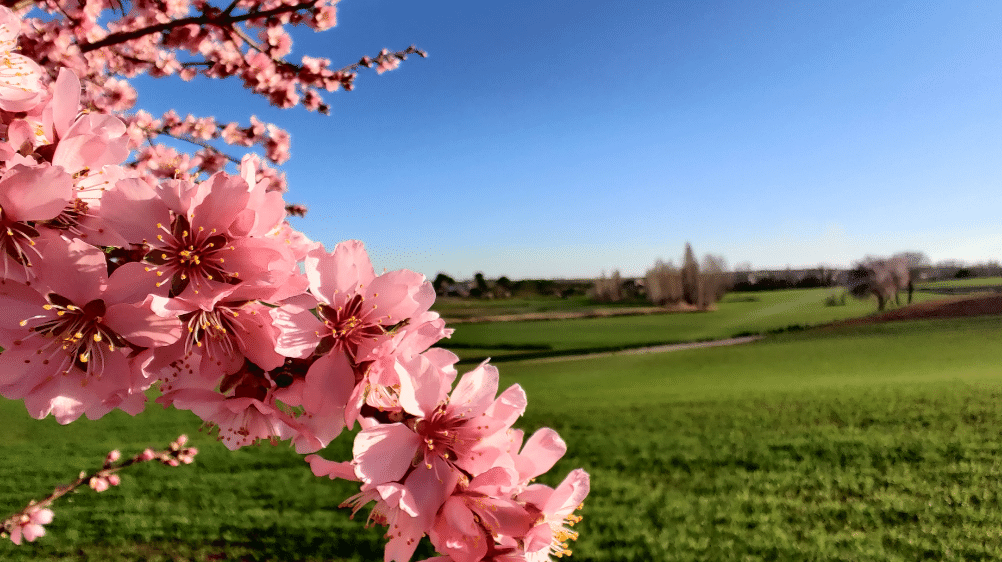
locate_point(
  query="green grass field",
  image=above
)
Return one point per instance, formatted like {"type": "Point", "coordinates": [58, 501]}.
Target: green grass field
{"type": "Point", "coordinates": [737, 314]}
{"type": "Point", "coordinates": [955, 283]}
{"type": "Point", "coordinates": [879, 442]}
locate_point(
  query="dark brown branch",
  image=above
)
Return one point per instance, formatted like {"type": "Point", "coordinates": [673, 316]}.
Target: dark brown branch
{"type": "Point", "coordinates": [222, 21]}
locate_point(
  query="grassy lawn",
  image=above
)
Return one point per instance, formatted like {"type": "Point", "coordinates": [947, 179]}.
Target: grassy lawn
{"type": "Point", "coordinates": [736, 314]}
{"type": "Point", "coordinates": [958, 283]}
{"type": "Point", "coordinates": [879, 442]}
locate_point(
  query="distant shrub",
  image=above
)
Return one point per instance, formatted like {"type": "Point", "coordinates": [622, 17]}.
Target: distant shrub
{"type": "Point", "coordinates": [835, 300]}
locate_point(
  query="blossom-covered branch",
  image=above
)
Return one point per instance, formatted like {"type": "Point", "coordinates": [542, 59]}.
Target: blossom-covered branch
{"type": "Point", "coordinates": [246, 39]}
{"type": "Point", "coordinates": [27, 524]}
{"type": "Point", "coordinates": [114, 279]}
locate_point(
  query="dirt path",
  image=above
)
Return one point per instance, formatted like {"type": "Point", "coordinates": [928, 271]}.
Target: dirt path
{"type": "Point", "coordinates": [989, 305]}
{"type": "Point", "coordinates": [653, 349]}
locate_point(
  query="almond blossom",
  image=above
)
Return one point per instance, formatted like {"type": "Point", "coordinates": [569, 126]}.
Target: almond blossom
{"type": "Point", "coordinates": [76, 340]}
{"type": "Point", "coordinates": [29, 525]}
{"type": "Point", "coordinates": [20, 76]}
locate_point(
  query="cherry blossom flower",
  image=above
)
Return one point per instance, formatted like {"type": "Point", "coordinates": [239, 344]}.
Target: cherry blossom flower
{"type": "Point", "coordinates": [20, 76]}
{"type": "Point", "coordinates": [477, 512]}
{"type": "Point", "coordinates": [556, 509]}
{"type": "Point", "coordinates": [76, 340]}
{"type": "Point", "coordinates": [29, 525]}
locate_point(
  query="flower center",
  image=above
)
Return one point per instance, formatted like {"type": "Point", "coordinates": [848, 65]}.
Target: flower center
{"type": "Point", "coordinates": [212, 328]}
{"type": "Point", "coordinates": [80, 331]}
{"type": "Point", "coordinates": [190, 256]}
{"type": "Point", "coordinates": [349, 325]}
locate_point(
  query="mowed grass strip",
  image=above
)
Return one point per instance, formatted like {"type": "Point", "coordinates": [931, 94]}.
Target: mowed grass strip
{"type": "Point", "coordinates": [879, 442]}
{"type": "Point", "coordinates": [736, 314]}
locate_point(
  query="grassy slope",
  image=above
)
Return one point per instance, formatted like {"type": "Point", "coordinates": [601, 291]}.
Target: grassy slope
{"type": "Point", "coordinates": [877, 444]}
{"type": "Point", "coordinates": [738, 313]}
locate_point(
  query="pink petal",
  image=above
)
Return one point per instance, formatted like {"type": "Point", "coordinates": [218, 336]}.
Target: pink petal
{"type": "Point", "coordinates": [225, 197]}
{"type": "Point", "coordinates": [342, 271]}
{"type": "Point", "coordinates": [298, 331]}
{"type": "Point", "coordinates": [133, 209]}
{"type": "Point", "coordinates": [65, 101]}
{"type": "Point", "coordinates": [568, 495]}
{"type": "Point", "coordinates": [141, 326]}
{"type": "Point", "coordinates": [35, 193]}
{"type": "Point", "coordinates": [509, 405]}
{"type": "Point", "coordinates": [73, 269]}
{"type": "Point", "coordinates": [323, 467]}
{"type": "Point", "coordinates": [540, 453]}
{"type": "Point", "coordinates": [383, 453]}
{"type": "Point", "coordinates": [422, 386]}
{"type": "Point", "coordinates": [475, 392]}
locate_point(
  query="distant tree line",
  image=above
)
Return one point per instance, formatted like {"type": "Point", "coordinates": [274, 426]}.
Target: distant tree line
{"type": "Point", "coordinates": [746, 280]}
{"type": "Point", "coordinates": [697, 285]}
{"type": "Point", "coordinates": [694, 284]}
{"type": "Point", "coordinates": [482, 288]}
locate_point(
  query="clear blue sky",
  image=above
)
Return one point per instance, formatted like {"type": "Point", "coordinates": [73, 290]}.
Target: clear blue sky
{"type": "Point", "coordinates": [561, 139]}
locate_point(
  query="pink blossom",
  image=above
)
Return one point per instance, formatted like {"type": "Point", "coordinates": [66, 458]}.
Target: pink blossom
{"type": "Point", "coordinates": [20, 76]}
{"type": "Point", "coordinates": [476, 513]}
{"type": "Point", "coordinates": [556, 509]}
{"type": "Point", "coordinates": [241, 420]}
{"type": "Point", "coordinates": [29, 524]}
{"type": "Point", "coordinates": [356, 308]}
{"type": "Point", "coordinates": [76, 340]}
{"type": "Point", "coordinates": [187, 228]}
{"type": "Point", "coordinates": [443, 435]}
{"type": "Point", "coordinates": [221, 330]}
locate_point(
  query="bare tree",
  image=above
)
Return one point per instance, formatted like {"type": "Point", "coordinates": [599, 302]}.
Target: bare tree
{"type": "Point", "coordinates": [608, 289]}
{"type": "Point", "coordinates": [714, 280]}
{"type": "Point", "coordinates": [883, 278]}
{"type": "Point", "coordinates": [664, 284]}
{"type": "Point", "coordinates": [690, 277]}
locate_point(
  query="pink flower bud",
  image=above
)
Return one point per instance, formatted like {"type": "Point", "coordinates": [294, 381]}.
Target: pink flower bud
{"type": "Point", "coordinates": [114, 479]}
{"type": "Point", "coordinates": [112, 457]}
{"type": "Point", "coordinates": [147, 455]}
{"type": "Point", "coordinates": [98, 483]}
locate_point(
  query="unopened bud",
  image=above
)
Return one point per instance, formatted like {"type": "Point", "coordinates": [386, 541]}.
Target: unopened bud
{"type": "Point", "coordinates": [112, 457]}
{"type": "Point", "coordinates": [147, 455]}
{"type": "Point", "coordinates": [114, 479]}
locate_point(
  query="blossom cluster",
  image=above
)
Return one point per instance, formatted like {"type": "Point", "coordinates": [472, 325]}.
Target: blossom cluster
{"type": "Point", "coordinates": [112, 281]}
{"type": "Point", "coordinates": [104, 45]}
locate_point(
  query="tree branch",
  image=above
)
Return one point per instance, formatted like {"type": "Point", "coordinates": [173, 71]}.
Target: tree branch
{"type": "Point", "coordinates": [222, 21]}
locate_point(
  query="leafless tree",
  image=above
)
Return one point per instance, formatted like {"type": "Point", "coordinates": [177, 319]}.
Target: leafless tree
{"type": "Point", "coordinates": [690, 277]}
{"type": "Point", "coordinates": [608, 289]}
{"type": "Point", "coordinates": [714, 280]}
{"type": "Point", "coordinates": [883, 278]}
{"type": "Point", "coordinates": [663, 283]}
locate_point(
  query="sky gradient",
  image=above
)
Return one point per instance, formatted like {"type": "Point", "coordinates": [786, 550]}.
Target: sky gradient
{"type": "Point", "coordinates": [564, 139]}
